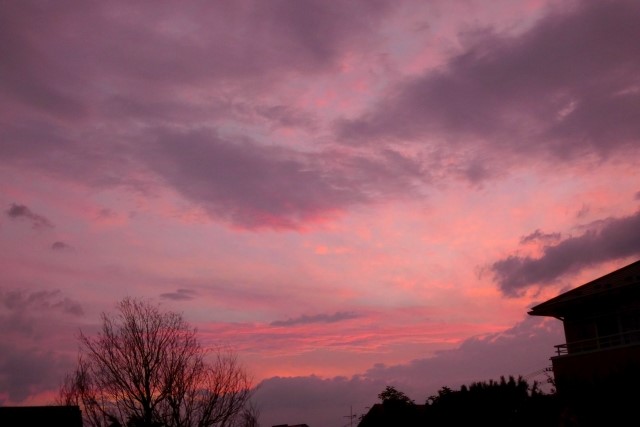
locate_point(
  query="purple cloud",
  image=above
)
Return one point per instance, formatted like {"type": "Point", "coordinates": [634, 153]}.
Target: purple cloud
{"type": "Point", "coordinates": [540, 237]}
{"type": "Point", "coordinates": [100, 70]}
{"type": "Point", "coordinates": [283, 116]}
{"type": "Point", "coordinates": [250, 185]}
{"type": "Point", "coordinates": [527, 347]}
{"type": "Point", "coordinates": [610, 239]}
{"type": "Point", "coordinates": [61, 246]}
{"type": "Point", "coordinates": [565, 88]}
{"type": "Point", "coordinates": [38, 222]}
{"type": "Point", "coordinates": [33, 326]}
{"type": "Point", "coordinates": [131, 48]}
{"type": "Point", "coordinates": [296, 399]}
{"type": "Point", "coordinates": [318, 318]}
{"type": "Point", "coordinates": [179, 295]}
{"type": "Point", "coordinates": [44, 145]}
{"type": "Point", "coordinates": [255, 186]}
{"type": "Point", "coordinates": [87, 95]}
{"type": "Point", "coordinates": [19, 302]}
{"type": "Point", "coordinates": [27, 370]}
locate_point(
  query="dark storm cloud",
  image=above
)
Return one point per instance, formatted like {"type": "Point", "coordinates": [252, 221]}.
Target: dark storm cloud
{"type": "Point", "coordinates": [318, 318]}
{"type": "Point", "coordinates": [567, 87]}
{"type": "Point", "coordinates": [16, 211]}
{"type": "Point", "coordinates": [610, 239]}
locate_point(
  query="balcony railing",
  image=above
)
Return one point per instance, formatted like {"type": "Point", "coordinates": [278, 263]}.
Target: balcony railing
{"type": "Point", "coordinates": [599, 343]}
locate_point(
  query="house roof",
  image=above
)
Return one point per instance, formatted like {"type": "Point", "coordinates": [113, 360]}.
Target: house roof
{"type": "Point", "coordinates": [50, 416]}
{"type": "Point", "coordinates": [618, 281]}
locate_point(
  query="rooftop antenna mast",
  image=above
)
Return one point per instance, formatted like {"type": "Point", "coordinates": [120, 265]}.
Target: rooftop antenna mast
{"type": "Point", "coordinates": [351, 416]}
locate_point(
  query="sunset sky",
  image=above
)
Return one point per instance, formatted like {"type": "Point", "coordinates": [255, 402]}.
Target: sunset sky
{"type": "Point", "coordinates": [351, 194]}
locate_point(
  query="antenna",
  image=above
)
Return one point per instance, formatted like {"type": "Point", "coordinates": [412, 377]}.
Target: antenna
{"type": "Point", "coordinates": [351, 416]}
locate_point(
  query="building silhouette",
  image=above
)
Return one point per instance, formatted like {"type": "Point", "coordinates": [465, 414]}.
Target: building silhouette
{"type": "Point", "coordinates": [597, 369]}
{"type": "Point", "coordinates": [49, 416]}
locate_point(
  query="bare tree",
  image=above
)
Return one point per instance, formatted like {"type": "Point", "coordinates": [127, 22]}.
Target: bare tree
{"type": "Point", "coordinates": [249, 416]}
{"type": "Point", "coordinates": [146, 368]}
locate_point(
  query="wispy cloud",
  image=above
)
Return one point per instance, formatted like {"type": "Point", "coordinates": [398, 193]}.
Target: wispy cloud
{"type": "Point", "coordinates": [38, 222]}
{"type": "Point", "coordinates": [180, 295]}
{"type": "Point", "coordinates": [18, 301]}
{"type": "Point", "coordinates": [317, 318]}
{"type": "Point", "coordinates": [539, 236]}
{"type": "Point", "coordinates": [61, 246]}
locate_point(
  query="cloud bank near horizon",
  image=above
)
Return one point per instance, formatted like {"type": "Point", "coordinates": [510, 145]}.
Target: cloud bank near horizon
{"type": "Point", "coordinates": [529, 344]}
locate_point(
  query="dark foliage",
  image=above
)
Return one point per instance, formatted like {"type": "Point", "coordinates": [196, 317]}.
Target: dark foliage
{"type": "Point", "coordinates": [391, 396]}
{"type": "Point", "coordinates": [511, 402]}
{"type": "Point", "coordinates": [508, 402]}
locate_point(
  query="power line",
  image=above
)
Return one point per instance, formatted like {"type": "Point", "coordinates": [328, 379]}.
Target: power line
{"type": "Point", "coordinates": [538, 372]}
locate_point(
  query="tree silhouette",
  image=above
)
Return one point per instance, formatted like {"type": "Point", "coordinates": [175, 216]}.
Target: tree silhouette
{"type": "Point", "coordinates": [395, 409]}
{"type": "Point", "coordinates": [507, 402]}
{"type": "Point", "coordinates": [392, 396]}
{"type": "Point", "coordinates": [145, 368]}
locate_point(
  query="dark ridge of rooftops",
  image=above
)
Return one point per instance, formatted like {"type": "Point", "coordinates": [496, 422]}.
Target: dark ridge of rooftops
{"type": "Point", "coordinates": [50, 416]}
{"type": "Point", "coordinates": [618, 279]}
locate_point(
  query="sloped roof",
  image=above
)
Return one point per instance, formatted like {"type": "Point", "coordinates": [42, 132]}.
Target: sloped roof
{"type": "Point", "coordinates": [50, 416]}
{"type": "Point", "coordinates": [614, 282]}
